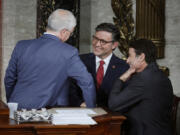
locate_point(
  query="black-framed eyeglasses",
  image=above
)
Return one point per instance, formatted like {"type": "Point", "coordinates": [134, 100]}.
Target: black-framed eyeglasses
{"type": "Point", "coordinates": [102, 41]}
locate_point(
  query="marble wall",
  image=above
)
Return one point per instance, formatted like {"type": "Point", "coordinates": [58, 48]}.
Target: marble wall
{"type": "Point", "coordinates": [19, 22]}
{"type": "Point", "coordinates": [172, 36]}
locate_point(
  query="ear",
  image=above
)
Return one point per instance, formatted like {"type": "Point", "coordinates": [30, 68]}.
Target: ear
{"type": "Point", "coordinates": [142, 57]}
{"type": "Point", "coordinates": [115, 44]}
{"type": "Point", "coordinates": [63, 34]}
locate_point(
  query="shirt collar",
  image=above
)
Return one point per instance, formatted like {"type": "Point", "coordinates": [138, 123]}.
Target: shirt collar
{"type": "Point", "coordinates": [106, 60]}
{"type": "Point", "coordinates": [49, 33]}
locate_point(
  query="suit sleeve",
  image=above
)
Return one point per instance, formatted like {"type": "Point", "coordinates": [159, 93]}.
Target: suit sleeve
{"type": "Point", "coordinates": [11, 74]}
{"type": "Point", "coordinates": [78, 71]}
{"type": "Point", "coordinates": [122, 98]}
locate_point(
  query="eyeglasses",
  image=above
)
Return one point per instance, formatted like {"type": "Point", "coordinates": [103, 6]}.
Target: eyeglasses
{"type": "Point", "coordinates": [102, 42]}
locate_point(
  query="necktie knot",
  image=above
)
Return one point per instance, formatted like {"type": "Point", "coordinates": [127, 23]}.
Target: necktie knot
{"type": "Point", "coordinates": [101, 62]}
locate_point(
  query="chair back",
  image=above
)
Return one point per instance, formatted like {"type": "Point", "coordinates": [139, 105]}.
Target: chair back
{"type": "Point", "coordinates": [176, 101]}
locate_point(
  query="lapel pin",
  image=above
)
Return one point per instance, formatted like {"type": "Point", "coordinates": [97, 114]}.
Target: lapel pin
{"type": "Point", "coordinates": [113, 66]}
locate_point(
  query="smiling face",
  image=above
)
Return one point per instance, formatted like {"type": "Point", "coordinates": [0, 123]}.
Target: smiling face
{"type": "Point", "coordinates": [103, 44]}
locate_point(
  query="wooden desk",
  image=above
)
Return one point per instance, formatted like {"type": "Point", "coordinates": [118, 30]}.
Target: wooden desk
{"type": "Point", "coordinates": [3, 109]}
{"type": "Point", "coordinates": [108, 124]}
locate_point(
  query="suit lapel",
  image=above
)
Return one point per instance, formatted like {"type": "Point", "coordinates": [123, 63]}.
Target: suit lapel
{"type": "Point", "coordinates": [111, 68]}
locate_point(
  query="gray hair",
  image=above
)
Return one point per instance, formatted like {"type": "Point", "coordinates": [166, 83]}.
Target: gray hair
{"type": "Point", "coordinates": [61, 19]}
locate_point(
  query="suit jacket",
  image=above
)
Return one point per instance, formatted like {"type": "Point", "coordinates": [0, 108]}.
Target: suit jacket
{"type": "Point", "coordinates": [146, 101]}
{"type": "Point", "coordinates": [115, 69]}
{"type": "Point", "coordinates": [38, 71]}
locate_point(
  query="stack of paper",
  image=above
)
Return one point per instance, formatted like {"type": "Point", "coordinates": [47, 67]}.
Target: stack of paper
{"type": "Point", "coordinates": [76, 111]}
{"type": "Point", "coordinates": [78, 116]}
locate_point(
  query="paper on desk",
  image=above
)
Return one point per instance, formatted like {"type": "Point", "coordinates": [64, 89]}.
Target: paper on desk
{"type": "Point", "coordinates": [66, 119]}
{"type": "Point", "coordinates": [76, 111]}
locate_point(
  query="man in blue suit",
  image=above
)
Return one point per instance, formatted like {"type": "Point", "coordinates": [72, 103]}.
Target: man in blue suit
{"type": "Point", "coordinates": [104, 42]}
{"type": "Point", "coordinates": [38, 72]}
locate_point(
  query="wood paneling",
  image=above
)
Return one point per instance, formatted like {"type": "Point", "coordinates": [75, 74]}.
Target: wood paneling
{"type": "Point", "coordinates": [150, 22]}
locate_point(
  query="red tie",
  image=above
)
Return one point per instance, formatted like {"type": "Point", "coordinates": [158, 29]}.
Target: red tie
{"type": "Point", "coordinates": [100, 74]}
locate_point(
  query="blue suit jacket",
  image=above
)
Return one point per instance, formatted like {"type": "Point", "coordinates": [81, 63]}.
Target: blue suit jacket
{"type": "Point", "coordinates": [115, 69]}
{"type": "Point", "coordinates": [38, 71]}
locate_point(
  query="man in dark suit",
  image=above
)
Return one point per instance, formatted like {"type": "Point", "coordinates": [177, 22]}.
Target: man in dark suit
{"type": "Point", "coordinates": [104, 42]}
{"type": "Point", "coordinates": [38, 71]}
{"type": "Point", "coordinates": [147, 99]}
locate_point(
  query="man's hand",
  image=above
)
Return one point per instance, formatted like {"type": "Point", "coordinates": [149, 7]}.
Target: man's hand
{"type": "Point", "coordinates": [135, 66]}
{"type": "Point", "coordinates": [83, 104]}
{"type": "Point", "coordinates": [127, 74]}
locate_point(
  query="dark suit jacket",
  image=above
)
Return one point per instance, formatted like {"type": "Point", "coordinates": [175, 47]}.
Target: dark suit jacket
{"type": "Point", "coordinates": [38, 71]}
{"type": "Point", "coordinates": [146, 101]}
{"type": "Point", "coordinates": [115, 69]}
